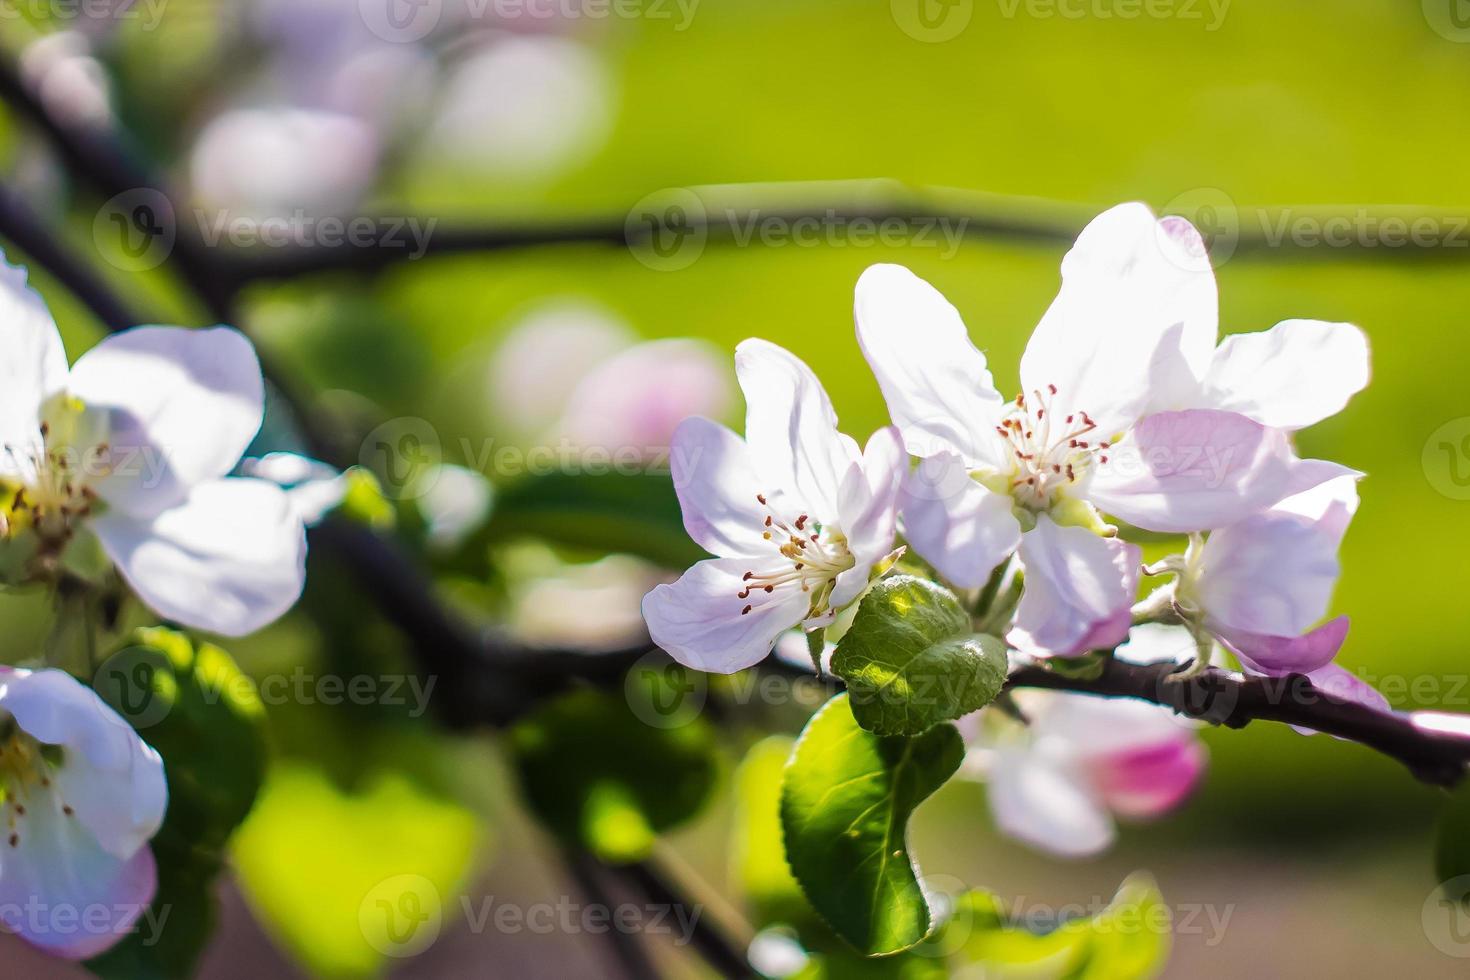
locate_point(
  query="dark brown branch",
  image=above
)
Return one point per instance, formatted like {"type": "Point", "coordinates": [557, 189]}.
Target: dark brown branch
{"type": "Point", "coordinates": [1233, 700]}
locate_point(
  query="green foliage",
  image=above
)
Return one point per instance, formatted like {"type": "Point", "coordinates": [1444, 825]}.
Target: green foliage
{"type": "Point", "coordinates": [204, 717]}
{"type": "Point", "coordinates": [846, 800]}
{"type": "Point", "coordinates": [603, 775]}
{"type": "Point", "coordinates": [345, 876]}
{"type": "Point", "coordinates": [1130, 938]}
{"type": "Point", "coordinates": [911, 659]}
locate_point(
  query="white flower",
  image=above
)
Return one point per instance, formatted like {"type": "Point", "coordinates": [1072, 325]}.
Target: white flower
{"type": "Point", "coordinates": [1137, 296]}
{"type": "Point", "coordinates": [83, 795]}
{"type": "Point", "coordinates": [796, 514]}
{"type": "Point", "coordinates": [132, 445]}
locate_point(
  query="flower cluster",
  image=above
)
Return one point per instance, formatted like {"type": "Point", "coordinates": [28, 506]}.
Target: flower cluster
{"type": "Point", "coordinates": [1129, 417]}
{"type": "Point", "coordinates": [122, 461]}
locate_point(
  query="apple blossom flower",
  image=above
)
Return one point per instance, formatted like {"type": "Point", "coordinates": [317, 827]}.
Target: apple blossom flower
{"type": "Point", "coordinates": [797, 516]}
{"type": "Point", "coordinates": [132, 446]}
{"type": "Point", "coordinates": [1059, 781]}
{"type": "Point", "coordinates": [1034, 475]}
{"type": "Point", "coordinates": [1259, 585]}
{"type": "Point", "coordinates": [83, 795]}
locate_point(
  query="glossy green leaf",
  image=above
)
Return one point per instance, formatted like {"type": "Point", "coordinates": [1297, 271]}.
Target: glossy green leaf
{"type": "Point", "coordinates": [911, 659]}
{"type": "Point", "coordinates": [204, 717]}
{"type": "Point", "coordinates": [610, 776]}
{"type": "Point", "coordinates": [846, 799]}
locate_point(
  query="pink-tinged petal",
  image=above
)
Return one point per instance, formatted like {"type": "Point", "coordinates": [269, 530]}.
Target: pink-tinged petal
{"type": "Point", "coordinates": [956, 524]}
{"type": "Point", "coordinates": [1147, 783]}
{"type": "Point", "coordinates": [230, 559]}
{"type": "Point", "coordinates": [1079, 591]}
{"type": "Point", "coordinates": [1193, 470]}
{"type": "Point", "coordinates": [113, 782]}
{"type": "Point", "coordinates": [1308, 474]}
{"type": "Point", "coordinates": [33, 368]}
{"type": "Point", "coordinates": [790, 426]}
{"type": "Point", "coordinates": [63, 894]}
{"type": "Point", "coordinates": [1137, 300]}
{"type": "Point", "coordinates": [699, 621]}
{"type": "Point", "coordinates": [936, 383]}
{"type": "Point", "coordinates": [1157, 643]}
{"type": "Point", "coordinates": [868, 510]}
{"type": "Point", "coordinates": [1274, 573]}
{"type": "Point", "coordinates": [636, 399]}
{"type": "Point", "coordinates": [1297, 373]}
{"type": "Point", "coordinates": [719, 492]}
{"type": "Point", "coordinates": [1276, 656]}
{"type": "Point", "coordinates": [183, 405]}
{"type": "Point", "coordinates": [1044, 799]}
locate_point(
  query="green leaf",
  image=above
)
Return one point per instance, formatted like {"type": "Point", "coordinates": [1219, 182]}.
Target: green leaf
{"type": "Point", "coordinates": [610, 773]}
{"type": "Point", "coordinates": [1130, 938]}
{"type": "Point", "coordinates": [846, 800]}
{"type": "Point", "coordinates": [349, 877]}
{"type": "Point", "coordinates": [911, 660]}
{"type": "Point", "coordinates": [204, 717]}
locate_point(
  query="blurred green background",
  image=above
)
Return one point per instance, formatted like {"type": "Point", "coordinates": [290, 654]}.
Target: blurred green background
{"type": "Point", "coordinates": [1321, 849]}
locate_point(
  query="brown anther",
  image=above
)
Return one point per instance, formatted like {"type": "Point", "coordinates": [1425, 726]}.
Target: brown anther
{"type": "Point", "coordinates": [20, 811]}
{"type": "Point", "coordinates": [767, 535]}
{"type": "Point", "coordinates": [66, 809]}
{"type": "Point", "coordinates": [743, 594]}
{"type": "Point", "coordinates": [768, 520]}
{"type": "Point", "coordinates": [746, 611]}
{"type": "Point", "coordinates": [799, 566]}
{"type": "Point", "coordinates": [761, 497]}
{"type": "Point", "coordinates": [1102, 459]}
{"type": "Point", "coordinates": [1052, 389]}
{"type": "Point", "coordinates": [801, 523]}
{"type": "Point", "coordinates": [770, 589]}
{"type": "Point", "coordinates": [1040, 414]}
{"type": "Point", "coordinates": [45, 429]}
{"type": "Point", "coordinates": [747, 576]}
{"type": "Point", "coordinates": [1056, 468]}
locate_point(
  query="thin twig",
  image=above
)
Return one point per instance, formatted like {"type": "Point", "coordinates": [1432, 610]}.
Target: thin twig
{"type": "Point", "coordinates": [627, 947]}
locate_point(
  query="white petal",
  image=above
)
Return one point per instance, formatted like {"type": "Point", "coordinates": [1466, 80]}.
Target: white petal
{"type": "Point", "coordinates": [60, 892]}
{"type": "Point", "coordinates": [955, 523]}
{"type": "Point", "coordinates": [1297, 373]}
{"type": "Point", "coordinates": [938, 388]}
{"type": "Point", "coordinates": [314, 487]}
{"type": "Point", "coordinates": [113, 781]}
{"type": "Point", "coordinates": [790, 426]}
{"type": "Point", "coordinates": [698, 619]}
{"type": "Point", "coordinates": [1194, 470]}
{"type": "Point", "coordinates": [868, 499]}
{"type": "Point", "coordinates": [183, 405]}
{"type": "Point", "coordinates": [1137, 305]}
{"type": "Point", "coordinates": [1079, 591]}
{"type": "Point", "coordinates": [230, 559]}
{"type": "Point", "coordinates": [1042, 799]}
{"type": "Point", "coordinates": [719, 492]}
{"type": "Point", "coordinates": [32, 368]}
{"type": "Point", "coordinates": [1274, 573]}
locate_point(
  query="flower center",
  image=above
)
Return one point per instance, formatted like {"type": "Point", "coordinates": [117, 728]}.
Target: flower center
{"type": "Point", "coordinates": [1049, 453]}
{"type": "Point", "coordinates": [56, 492]}
{"type": "Point", "coordinates": [815, 555]}
{"type": "Point", "coordinates": [27, 771]}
